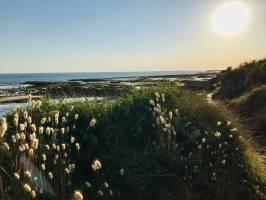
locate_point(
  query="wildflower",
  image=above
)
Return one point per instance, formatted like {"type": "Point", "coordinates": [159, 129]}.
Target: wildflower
{"type": "Point", "coordinates": [33, 128]}
{"type": "Point", "coordinates": [173, 130]}
{"type": "Point", "coordinates": [77, 146]}
{"type": "Point", "coordinates": [33, 194]}
{"type": "Point", "coordinates": [162, 120]}
{"type": "Point", "coordinates": [230, 136]}
{"type": "Point", "coordinates": [3, 127]}
{"type": "Point", "coordinates": [28, 174]}
{"type": "Point", "coordinates": [43, 120]}
{"type": "Point", "coordinates": [106, 184]}
{"type": "Point", "coordinates": [21, 127]}
{"type": "Point", "coordinates": [43, 167]}
{"type": "Point", "coordinates": [27, 187]}
{"type": "Point", "coordinates": [47, 147]}
{"type": "Point", "coordinates": [56, 116]}
{"type": "Point", "coordinates": [87, 184]}
{"type": "Point", "coordinates": [38, 103]}
{"type": "Point", "coordinates": [170, 115]}
{"type": "Point", "coordinates": [96, 165]}
{"type": "Point", "coordinates": [77, 195]}
{"type": "Point", "coordinates": [17, 136]}
{"type": "Point", "coordinates": [152, 102]}
{"type": "Point", "coordinates": [17, 176]}
{"type": "Point", "coordinates": [176, 111]}
{"type": "Point", "coordinates": [48, 131]}
{"type": "Point", "coordinates": [100, 192]}
{"type": "Point", "coordinates": [199, 146]}
{"type": "Point", "coordinates": [72, 139]}
{"type": "Point", "coordinates": [35, 143]}
{"type": "Point", "coordinates": [50, 175]}
{"type": "Point", "coordinates": [13, 138]}
{"type": "Point", "coordinates": [16, 120]}
{"type": "Point", "coordinates": [43, 157]}
{"type": "Point", "coordinates": [30, 152]}
{"type": "Point", "coordinates": [76, 116]}
{"type": "Point", "coordinates": [29, 120]}
{"type": "Point", "coordinates": [52, 130]}
{"type": "Point", "coordinates": [41, 129]}
{"type": "Point", "coordinates": [122, 172]}
{"type": "Point", "coordinates": [22, 136]}
{"type": "Point", "coordinates": [20, 148]}
{"type": "Point", "coordinates": [31, 137]}
{"type": "Point", "coordinates": [67, 171]}
{"type": "Point", "coordinates": [223, 162]}
{"type": "Point", "coordinates": [93, 122]}
{"type": "Point", "coordinates": [111, 192]}
{"type": "Point", "coordinates": [54, 146]}
{"type": "Point", "coordinates": [63, 119]}
{"type": "Point", "coordinates": [62, 130]}
{"type": "Point", "coordinates": [25, 114]}
{"type": "Point", "coordinates": [56, 156]}
{"type": "Point", "coordinates": [72, 166]}
{"type": "Point", "coordinates": [217, 134]}
{"type": "Point", "coordinates": [65, 155]}
{"type": "Point", "coordinates": [58, 148]}
{"type": "Point", "coordinates": [157, 94]}
{"type": "Point", "coordinates": [26, 146]}
{"type": "Point", "coordinates": [163, 97]}
{"type": "Point", "coordinates": [228, 123]}
{"type": "Point", "coordinates": [71, 108]}
{"type": "Point", "coordinates": [203, 140]}
{"type": "Point", "coordinates": [219, 123]}
{"type": "Point", "coordinates": [6, 146]}
{"type": "Point", "coordinates": [67, 114]}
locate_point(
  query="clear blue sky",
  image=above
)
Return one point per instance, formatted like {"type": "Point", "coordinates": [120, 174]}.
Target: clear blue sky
{"type": "Point", "coordinates": [123, 35]}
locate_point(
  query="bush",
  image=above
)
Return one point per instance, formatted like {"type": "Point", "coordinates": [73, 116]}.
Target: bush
{"type": "Point", "coordinates": [164, 143]}
{"type": "Point", "coordinates": [242, 79]}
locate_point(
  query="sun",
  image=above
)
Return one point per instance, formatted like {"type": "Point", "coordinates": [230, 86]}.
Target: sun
{"type": "Point", "coordinates": [230, 19]}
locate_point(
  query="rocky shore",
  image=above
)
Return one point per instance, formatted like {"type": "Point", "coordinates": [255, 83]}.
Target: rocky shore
{"type": "Point", "coordinates": [100, 87]}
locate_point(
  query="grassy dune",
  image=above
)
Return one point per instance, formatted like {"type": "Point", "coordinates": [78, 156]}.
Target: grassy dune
{"type": "Point", "coordinates": [161, 143]}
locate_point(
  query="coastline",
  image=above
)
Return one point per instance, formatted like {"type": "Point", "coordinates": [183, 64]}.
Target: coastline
{"type": "Point", "coordinates": [99, 87]}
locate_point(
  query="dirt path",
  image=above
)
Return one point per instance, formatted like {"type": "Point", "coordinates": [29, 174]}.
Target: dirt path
{"type": "Point", "coordinates": [259, 143]}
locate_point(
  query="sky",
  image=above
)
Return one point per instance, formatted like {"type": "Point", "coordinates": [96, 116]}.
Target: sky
{"type": "Point", "coordinates": [123, 35]}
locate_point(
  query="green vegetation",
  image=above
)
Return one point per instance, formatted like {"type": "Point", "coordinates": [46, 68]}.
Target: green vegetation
{"type": "Point", "coordinates": [244, 90]}
{"type": "Point", "coordinates": [161, 143]}
{"type": "Point", "coordinates": [251, 106]}
{"type": "Point", "coordinates": [235, 82]}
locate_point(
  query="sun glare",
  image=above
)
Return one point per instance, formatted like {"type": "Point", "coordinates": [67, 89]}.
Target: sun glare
{"type": "Point", "coordinates": [230, 18]}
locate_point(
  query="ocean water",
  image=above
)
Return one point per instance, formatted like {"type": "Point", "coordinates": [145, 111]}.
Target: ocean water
{"type": "Point", "coordinates": [8, 81]}
{"type": "Point", "coordinates": [16, 80]}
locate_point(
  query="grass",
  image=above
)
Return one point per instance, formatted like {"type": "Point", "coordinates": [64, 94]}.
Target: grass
{"type": "Point", "coordinates": [160, 143]}
{"type": "Point", "coordinates": [235, 82]}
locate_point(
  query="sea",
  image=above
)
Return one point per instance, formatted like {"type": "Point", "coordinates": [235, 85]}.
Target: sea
{"type": "Point", "coordinates": [17, 80]}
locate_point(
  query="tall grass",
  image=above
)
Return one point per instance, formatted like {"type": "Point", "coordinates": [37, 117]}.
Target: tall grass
{"type": "Point", "coordinates": [161, 143]}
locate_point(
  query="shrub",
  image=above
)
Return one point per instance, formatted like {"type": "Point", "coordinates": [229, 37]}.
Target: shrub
{"type": "Point", "coordinates": [162, 143]}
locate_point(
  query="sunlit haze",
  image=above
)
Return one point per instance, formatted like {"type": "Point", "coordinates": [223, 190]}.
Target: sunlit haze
{"type": "Point", "coordinates": [139, 35]}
